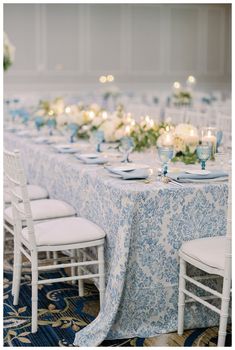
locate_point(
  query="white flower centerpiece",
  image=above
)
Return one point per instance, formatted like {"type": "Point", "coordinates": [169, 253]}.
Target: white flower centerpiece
{"type": "Point", "coordinates": [86, 118]}
{"type": "Point", "coordinates": [8, 53]}
{"type": "Point", "coordinates": [181, 96]}
{"type": "Point", "coordinates": [185, 140]}
{"type": "Point", "coordinates": [117, 125]}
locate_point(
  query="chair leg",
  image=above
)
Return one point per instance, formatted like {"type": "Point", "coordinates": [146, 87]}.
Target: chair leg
{"type": "Point", "coordinates": [55, 257]}
{"type": "Point", "coordinates": [14, 268]}
{"type": "Point", "coordinates": [34, 327]}
{"type": "Point", "coordinates": [181, 300]}
{"type": "Point", "coordinates": [101, 273]}
{"type": "Point", "coordinates": [73, 268]}
{"type": "Point", "coordinates": [224, 312]}
{"type": "Point", "coordinates": [16, 273]}
{"type": "Point", "coordinates": [80, 282]}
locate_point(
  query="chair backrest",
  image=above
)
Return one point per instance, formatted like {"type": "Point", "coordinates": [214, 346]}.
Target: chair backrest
{"type": "Point", "coordinates": [224, 123]}
{"type": "Point", "coordinates": [17, 183]}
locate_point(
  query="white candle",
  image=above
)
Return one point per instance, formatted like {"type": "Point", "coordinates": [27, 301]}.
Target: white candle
{"type": "Point", "coordinates": [176, 87]}
{"type": "Point", "coordinates": [91, 115]}
{"type": "Point", "coordinates": [193, 137]}
{"type": "Point", "coordinates": [209, 138]}
{"type": "Point", "coordinates": [127, 130]}
{"type": "Point", "coordinates": [104, 115]}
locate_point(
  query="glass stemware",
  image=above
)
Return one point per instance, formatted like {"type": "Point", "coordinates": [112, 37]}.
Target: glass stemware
{"type": "Point", "coordinates": [203, 154]}
{"type": "Point", "coordinates": [219, 137]}
{"type": "Point", "coordinates": [51, 125]}
{"type": "Point", "coordinates": [165, 153]}
{"type": "Point", "coordinates": [96, 139]}
{"type": "Point", "coordinates": [73, 128]}
{"type": "Point", "coordinates": [126, 147]}
{"type": "Point", "coordinates": [39, 122]}
{"type": "Point", "coordinates": [209, 135]}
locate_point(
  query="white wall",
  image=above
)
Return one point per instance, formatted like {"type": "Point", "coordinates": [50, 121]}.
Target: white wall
{"type": "Point", "coordinates": [68, 46]}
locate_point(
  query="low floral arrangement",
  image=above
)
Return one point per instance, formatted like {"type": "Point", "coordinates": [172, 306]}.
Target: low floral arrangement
{"type": "Point", "coordinates": [146, 133]}
{"type": "Point", "coordinates": [113, 91]}
{"type": "Point", "coordinates": [8, 53]}
{"type": "Point", "coordinates": [117, 125]}
{"type": "Point", "coordinates": [182, 98]}
{"type": "Point", "coordinates": [50, 109]}
{"type": "Point", "coordinates": [184, 138]}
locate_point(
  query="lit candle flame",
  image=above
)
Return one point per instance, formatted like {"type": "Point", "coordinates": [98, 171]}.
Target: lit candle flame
{"type": "Point", "coordinates": [67, 109]}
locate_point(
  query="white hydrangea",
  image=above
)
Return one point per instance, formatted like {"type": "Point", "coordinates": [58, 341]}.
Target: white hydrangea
{"type": "Point", "coordinates": [8, 52]}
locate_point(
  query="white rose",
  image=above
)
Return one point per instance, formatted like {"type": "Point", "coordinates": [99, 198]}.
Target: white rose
{"type": "Point", "coordinates": [61, 120]}
{"type": "Point", "coordinates": [97, 121]}
{"type": "Point", "coordinates": [109, 131]}
{"type": "Point", "coordinates": [76, 118]}
{"type": "Point", "coordinates": [58, 106]}
{"type": "Point", "coordinates": [119, 133]}
{"type": "Point", "coordinates": [95, 107]}
{"type": "Point", "coordinates": [74, 109]}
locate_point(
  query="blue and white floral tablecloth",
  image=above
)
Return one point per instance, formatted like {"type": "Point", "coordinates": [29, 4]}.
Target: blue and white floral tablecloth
{"type": "Point", "coordinates": [145, 227]}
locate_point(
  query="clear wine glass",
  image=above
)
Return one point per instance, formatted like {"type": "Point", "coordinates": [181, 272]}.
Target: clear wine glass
{"type": "Point", "coordinates": [126, 147]}
{"type": "Point", "coordinates": [73, 128]}
{"type": "Point", "coordinates": [165, 153]}
{"type": "Point", "coordinates": [96, 138]}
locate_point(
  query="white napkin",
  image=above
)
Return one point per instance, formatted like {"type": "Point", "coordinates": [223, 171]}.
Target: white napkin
{"type": "Point", "coordinates": [141, 173]}
{"type": "Point", "coordinates": [91, 158]}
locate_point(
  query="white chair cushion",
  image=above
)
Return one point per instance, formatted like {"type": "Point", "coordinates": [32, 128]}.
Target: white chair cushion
{"type": "Point", "coordinates": [34, 192]}
{"type": "Point", "coordinates": [65, 231]}
{"type": "Point", "coordinates": [209, 251]}
{"type": "Point", "coordinates": [45, 209]}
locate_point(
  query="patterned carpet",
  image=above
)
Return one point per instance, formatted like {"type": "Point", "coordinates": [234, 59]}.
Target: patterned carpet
{"type": "Point", "coordinates": [62, 313]}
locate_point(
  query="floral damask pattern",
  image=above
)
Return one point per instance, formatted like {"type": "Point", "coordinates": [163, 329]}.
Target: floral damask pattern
{"type": "Point", "coordinates": [145, 227]}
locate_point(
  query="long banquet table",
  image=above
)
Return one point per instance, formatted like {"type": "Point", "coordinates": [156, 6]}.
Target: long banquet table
{"type": "Point", "coordinates": [145, 226]}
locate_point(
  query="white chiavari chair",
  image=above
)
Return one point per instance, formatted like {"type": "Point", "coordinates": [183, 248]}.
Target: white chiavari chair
{"type": "Point", "coordinates": [224, 123]}
{"type": "Point", "coordinates": [42, 210]}
{"type": "Point", "coordinates": [35, 192]}
{"type": "Point", "coordinates": [71, 233]}
{"type": "Point", "coordinates": [212, 255]}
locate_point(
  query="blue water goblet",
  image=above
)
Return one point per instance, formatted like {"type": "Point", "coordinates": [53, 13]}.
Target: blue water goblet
{"type": "Point", "coordinates": [98, 139]}
{"type": "Point", "coordinates": [51, 125]}
{"type": "Point", "coordinates": [126, 147]}
{"type": "Point", "coordinates": [219, 137]}
{"type": "Point", "coordinates": [39, 122]}
{"type": "Point", "coordinates": [165, 153]}
{"type": "Point", "coordinates": [24, 115]}
{"type": "Point", "coordinates": [73, 128]}
{"type": "Point", "coordinates": [203, 154]}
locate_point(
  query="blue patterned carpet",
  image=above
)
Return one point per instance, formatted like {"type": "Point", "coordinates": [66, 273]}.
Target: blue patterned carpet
{"type": "Point", "coordinates": [62, 313]}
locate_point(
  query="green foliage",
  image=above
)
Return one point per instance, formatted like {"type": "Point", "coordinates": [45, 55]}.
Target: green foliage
{"type": "Point", "coordinates": [6, 63]}
{"type": "Point", "coordinates": [146, 137]}
{"type": "Point", "coordinates": [187, 158]}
